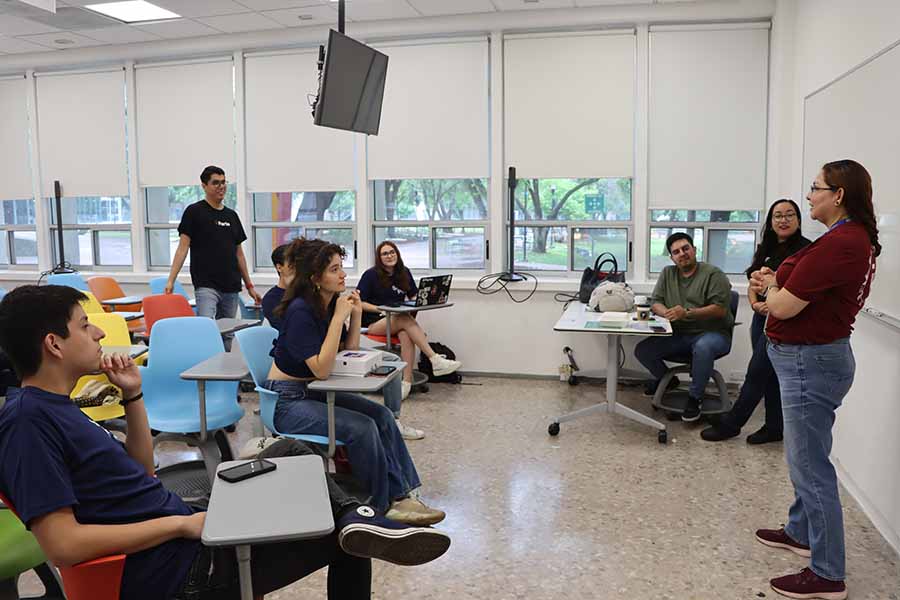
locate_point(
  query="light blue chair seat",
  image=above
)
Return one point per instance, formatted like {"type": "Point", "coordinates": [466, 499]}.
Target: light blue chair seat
{"type": "Point", "coordinates": [256, 342]}
{"type": "Point", "coordinates": [173, 404]}
{"type": "Point", "coordinates": [74, 280]}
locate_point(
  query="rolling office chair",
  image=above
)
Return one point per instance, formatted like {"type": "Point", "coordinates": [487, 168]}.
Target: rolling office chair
{"type": "Point", "coordinates": [675, 404]}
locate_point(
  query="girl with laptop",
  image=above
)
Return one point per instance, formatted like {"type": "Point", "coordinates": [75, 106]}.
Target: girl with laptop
{"type": "Point", "coordinates": [389, 283]}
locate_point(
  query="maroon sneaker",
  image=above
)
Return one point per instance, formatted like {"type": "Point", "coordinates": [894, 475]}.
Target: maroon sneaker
{"type": "Point", "coordinates": [777, 538]}
{"type": "Point", "coordinates": [807, 584]}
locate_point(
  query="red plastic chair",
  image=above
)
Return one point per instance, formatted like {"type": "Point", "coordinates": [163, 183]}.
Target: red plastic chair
{"type": "Point", "coordinates": [98, 579]}
{"type": "Point", "coordinates": [164, 306]}
{"type": "Point", "coordinates": [395, 341]}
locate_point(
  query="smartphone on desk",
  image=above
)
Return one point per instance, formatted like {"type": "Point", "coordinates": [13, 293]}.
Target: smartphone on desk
{"type": "Point", "coordinates": [657, 328]}
{"type": "Point", "coordinates": [247, 470]}
{"type": "Point", "coordinates": [382, 371]}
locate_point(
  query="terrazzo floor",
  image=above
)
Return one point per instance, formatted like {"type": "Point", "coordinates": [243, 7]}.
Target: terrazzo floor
{"type": "Point", "coordinates": [601, 511]}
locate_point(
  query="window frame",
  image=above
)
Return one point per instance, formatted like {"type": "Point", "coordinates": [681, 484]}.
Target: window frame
{"type": "Point", "coordinates": [8, 230]}
{"type": "Point", "coordinates": [94, 230]}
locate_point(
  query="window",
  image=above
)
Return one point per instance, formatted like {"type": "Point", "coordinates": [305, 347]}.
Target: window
{"type": "Point", "coordinates": [280, 217]}
{"type": "Point", "coordinates": [96, 230]}
{"type": "Point", "coordinates": [564, 224]}
{"type": "Point", "coordinates": [18, 237]}
{"type": "Point", "coordinates": [727, 238]}
{"type": "Point", "coordinates": [436, 223]}
{"type": "Point", "coordinates": [164, 207]}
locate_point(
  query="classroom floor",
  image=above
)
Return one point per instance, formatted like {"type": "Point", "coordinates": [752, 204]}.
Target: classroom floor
{"type": "Point", "coordinates": [601, 511]}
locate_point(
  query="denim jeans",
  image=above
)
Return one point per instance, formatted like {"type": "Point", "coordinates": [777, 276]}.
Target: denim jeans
{"type": "Point", "coordinates": [213, 304]}
{"type": "Point", "coordinates": [703, 348]}
{"type": "Point", "coordinates": [759, 382]}
{"type": "Point", "coordinates": [377, 451]}
{"type": "Point", "coordinates": [814, 381]}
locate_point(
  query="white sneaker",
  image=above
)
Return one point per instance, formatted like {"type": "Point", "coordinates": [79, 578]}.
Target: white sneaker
{"type": "Point", "coordinates": [407, 386]}
{"type": "Point", "coordinates": [441, 365]}
{"type": "Point", "coordinates": [409, 433]}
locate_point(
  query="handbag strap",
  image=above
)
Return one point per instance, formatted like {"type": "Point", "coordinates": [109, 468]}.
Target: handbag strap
{"type": "Point", "coordinates": [606, 257]}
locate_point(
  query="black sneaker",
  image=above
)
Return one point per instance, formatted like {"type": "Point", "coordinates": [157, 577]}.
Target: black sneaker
{"type": "Point", "coordinates": [368, 534]}
{"type": "Point", "coordinates": [764, 436]}
{"type": "Point", "coordinates": [650, 386]}
{"type": "Point", "coordinates": [719, 432]}
{"type": "Point", "coordinates": [691, 411]}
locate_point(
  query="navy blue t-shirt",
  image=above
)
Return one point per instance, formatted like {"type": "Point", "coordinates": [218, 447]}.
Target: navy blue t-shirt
{"type": "Point", "coordinates": [300, 336]}
{"type": "Point", "coordinates": [269, 303]}
{"type": "Point", "coordinates": [52, 456]}
{"type": "Point", "coordinates": [372, 291]}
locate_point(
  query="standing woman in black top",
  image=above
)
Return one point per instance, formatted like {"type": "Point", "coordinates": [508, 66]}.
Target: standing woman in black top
{"type": "Point", "coordinates": [781, 237]}
{"type": "Point", "coordinates": [390, 282]}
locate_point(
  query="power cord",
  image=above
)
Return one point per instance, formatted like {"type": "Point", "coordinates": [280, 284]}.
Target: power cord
{"type": "Point", "coordinates": [494, 283]}
{"type": "Point", "coordinates": [65, 267]}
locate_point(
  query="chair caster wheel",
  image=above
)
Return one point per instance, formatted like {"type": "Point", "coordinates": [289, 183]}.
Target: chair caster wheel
{"type": "Point", "coordinates": [663, 436]}
{"type": "Point", "coordinates": [573, 380]}
{"type": "Point", "coordinates": [553, 429]}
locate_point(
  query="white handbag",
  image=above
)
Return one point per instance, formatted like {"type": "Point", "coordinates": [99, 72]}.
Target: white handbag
{"type": "Point", "coordinates": [612, 296]}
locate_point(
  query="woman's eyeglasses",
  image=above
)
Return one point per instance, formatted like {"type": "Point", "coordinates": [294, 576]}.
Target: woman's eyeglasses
{"type": "Point", "coordinates": [388, 254]}
{"type": "Point", "coordinates": [784, 216]}
{"type": "Point", "coordinates": [814, 188]}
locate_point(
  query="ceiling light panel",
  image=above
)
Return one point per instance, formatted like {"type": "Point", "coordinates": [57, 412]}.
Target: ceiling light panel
{"type": "Point", "coordinates": [133, 11]}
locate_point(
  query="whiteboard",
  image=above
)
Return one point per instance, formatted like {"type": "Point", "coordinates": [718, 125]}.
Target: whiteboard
{"type": "Point", "coordinates": [857, 116]}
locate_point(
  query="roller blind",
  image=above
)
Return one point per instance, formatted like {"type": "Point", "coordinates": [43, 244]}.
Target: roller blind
{"type": "Point", "coordinates": [185, 121]}
{"type": "Point", "coordinates": [569, 104]}
{"type": "Point", "coordinates": [285, 151]}
{"type": "Point", "coordinates": [434, 120]}
{"type": "Point", "coordinates": [16, 181]}
{"type": "Point", "coordinates": [708, 114]}
{"type": "Point", "coordinates": [81, 129]}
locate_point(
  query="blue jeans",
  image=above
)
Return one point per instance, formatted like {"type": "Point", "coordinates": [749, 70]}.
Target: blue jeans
{"type": "Point", "coordinates": [701, 348]}
{"type": "Point", "coordinates": [377, 451]}
{"type": "Point", "coordinates": [759, 382]}
{"type": "Point", "coordinates": [213, 304]}
{"type": "Point", "coordinates": [814, 381]}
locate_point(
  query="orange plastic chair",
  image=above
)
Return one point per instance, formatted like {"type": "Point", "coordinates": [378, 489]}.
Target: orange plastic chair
{"type": "Point", "coordinates": [98, 579]}
{"type": "Point", "coordinates": [395, 341]}
{"type": "Point", "coordinates": [107, 288]}
{"type": "Point", "coordinates": [164, 306]}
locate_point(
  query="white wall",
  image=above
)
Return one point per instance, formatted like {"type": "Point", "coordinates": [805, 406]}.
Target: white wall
{"type": "Point", "coordinates": [831, 37]}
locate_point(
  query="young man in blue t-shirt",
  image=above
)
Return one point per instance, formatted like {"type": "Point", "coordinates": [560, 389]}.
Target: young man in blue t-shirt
{"type": "Point", "coordinates": [273, 297]}
{"type": "Point", "coordinates": [84, 494]}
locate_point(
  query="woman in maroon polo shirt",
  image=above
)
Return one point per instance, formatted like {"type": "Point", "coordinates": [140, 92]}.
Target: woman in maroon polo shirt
{"type": "Point", "coordinates": [813, 300]}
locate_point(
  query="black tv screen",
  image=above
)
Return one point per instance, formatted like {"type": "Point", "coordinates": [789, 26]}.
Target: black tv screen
{"type": "Point", "coordinates": [352, 86]}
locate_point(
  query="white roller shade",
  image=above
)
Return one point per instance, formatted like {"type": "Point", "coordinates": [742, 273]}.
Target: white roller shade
{"type": "Point", "coordinates": [185, 121]}
{"type": "Point", "coordinates": [569, 105]}
{"type": "Point", "coordinates": [16, 181]}
{"type": "Point", "coordinates": [708, 112]}
{"type": "Point", "coordinates": [285, 151]}
{"type": "Point", "coordinates": [81, 129]}
{"type": "Point", "coordinates": [434, 120]}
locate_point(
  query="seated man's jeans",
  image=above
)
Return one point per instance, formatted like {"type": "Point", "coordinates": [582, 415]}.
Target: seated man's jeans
{"type": "Point", "coordinates": [703, 348]}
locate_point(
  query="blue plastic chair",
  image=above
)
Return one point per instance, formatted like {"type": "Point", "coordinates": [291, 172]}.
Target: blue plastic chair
{"type": "Point", "coordinates": [249, 311]}
{"type": "Point", "coordinates": [256, 342]}
{"type": "Point", "coordinates": [74, 280]}
{"type": "Point", "coordinates": [2, 293]}
{"type": "Point", "coordinates": [173, 405]}
{"type": "Point", "coordinates": [158, 286]}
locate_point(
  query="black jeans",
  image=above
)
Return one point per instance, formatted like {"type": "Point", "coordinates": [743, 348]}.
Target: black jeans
{"type": "Point", "coordinates": [760, 381]}
{"type": "Point", "coordinates": [214, 573]}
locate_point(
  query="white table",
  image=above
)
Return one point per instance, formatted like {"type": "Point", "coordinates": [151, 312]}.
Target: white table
{"type": "Point", "coordinates": [122, 301]}
{"type": "Point", "coordinates": [225, 366]}
{"type": "Point", "coordinates": [349, 383]}
{"type": "Point", "coordinates": [254, 511]}
{"type": "Point", "coordinates": [577, 317]}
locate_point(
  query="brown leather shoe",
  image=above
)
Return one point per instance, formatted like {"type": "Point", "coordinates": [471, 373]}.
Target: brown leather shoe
{"type": "Point", "coordinates": [414, 512]}
{"type": "Point", "coordinates": [777, 538]}
{"type": "Point", "coordinates": [807, 585]}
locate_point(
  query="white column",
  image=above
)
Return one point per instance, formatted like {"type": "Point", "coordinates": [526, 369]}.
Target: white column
{"type": "Point", "coordinates": [244, 210]}
{"type": "Point", "coordinates": [497, 187]}
{"type": "Point", "coordinates": [138, 216]}
{"type": "Point", "coordinates": [365, 213]}
{"type": "Point", "coordinates": [639, 190]}
{"type": "Point", "coordinates": [41, 215]}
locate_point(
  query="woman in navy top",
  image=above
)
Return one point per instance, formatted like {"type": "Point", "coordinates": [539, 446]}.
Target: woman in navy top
{"type": "Point", "coordinates": [389, 282]}
{"type": "Point", "coordinates": [313, 313]}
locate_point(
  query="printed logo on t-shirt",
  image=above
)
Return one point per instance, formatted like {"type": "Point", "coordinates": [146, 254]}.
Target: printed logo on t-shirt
{"type": "Point", "coordinates": [223, 223]}
{"type": "Point", "coordinates": [867, 280]}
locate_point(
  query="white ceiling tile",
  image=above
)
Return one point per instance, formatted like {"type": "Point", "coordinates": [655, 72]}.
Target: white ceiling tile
{"type": "Point", "coordinates": [585, 3]}
{"type": "Point", "coordinates": [456, 7]}
{"type": "Point", "coordinates": [201, 8]}
{"type": "Point", "coordinates": [279, 4]}
{"type": "Point", "coordinates": [10, 25]}
{"type": "Point", "coordinates": [522, 5]}
{"type": "Point", "coordinates": [179, 28]}
{"type": "Point", "coordinates": [123, 34]}
{"type": "Point", "coordinates": [320, 15]}
{"type": "Point", "coordinates": [16, 46]}
{"type": "Point", "coordinates": [51, 40]}
{"type": "Point", "coordinates": [242, 22]}
{"type": "Point", "coordinates": [376, 10]}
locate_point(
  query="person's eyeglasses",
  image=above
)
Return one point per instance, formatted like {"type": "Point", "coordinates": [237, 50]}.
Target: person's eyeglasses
{"type": "Point", "coordinates": [814, 188]}
{"type": "Point", "coordinates": [218, 183]}
{"type": "Point", "coordinates": [784, 217]}
{"type": "Point", "coordinates": [388, 254]}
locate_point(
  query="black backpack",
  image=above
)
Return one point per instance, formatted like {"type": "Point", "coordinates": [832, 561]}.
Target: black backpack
{"type": "Point", "coordinates": [425, 365]}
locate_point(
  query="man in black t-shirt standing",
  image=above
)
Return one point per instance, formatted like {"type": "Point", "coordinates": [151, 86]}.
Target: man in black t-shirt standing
{"type": "Point", "coordinates": [213, 233]}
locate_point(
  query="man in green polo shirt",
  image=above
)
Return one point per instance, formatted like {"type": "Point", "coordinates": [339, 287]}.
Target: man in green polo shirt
{"type": "Point", "coordinates": [696, 298]}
